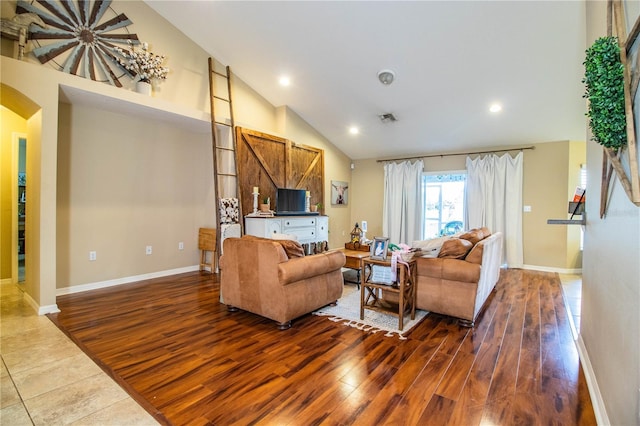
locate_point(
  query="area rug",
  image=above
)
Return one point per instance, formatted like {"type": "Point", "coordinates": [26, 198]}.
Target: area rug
{"type": "Point", "coordinates": [347, 312]}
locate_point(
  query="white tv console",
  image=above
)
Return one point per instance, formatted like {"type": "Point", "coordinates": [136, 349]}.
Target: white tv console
{"type": "Point", "coordinates": [307, 229]}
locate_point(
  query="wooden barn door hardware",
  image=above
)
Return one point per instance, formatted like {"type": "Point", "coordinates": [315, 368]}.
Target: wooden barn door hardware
{"type": "Point", "coordinates": [612, 158]}
{"type": "Point", "coordinates": [225, 176]}
{"type": "Point", "coordinates": [270, 162]}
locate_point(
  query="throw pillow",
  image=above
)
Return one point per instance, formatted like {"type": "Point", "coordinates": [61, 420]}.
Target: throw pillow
{"type": "Point", "coordinates": [291, 248]}
{"type": "Point", "coordinates": [485, 232]}
{"type": "Point", "coordinates": [455, 248]}
{"type": "Point", "coordinates": [472, 236]}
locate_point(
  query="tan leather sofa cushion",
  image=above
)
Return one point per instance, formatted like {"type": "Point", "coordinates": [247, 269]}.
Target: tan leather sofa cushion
{"type": "Point", "coordinates": [291, 248]}
{"type": "Point", "coordinates": [475, 255]}
{"type": "Point", "coordinates": [449, 269]}
{"type": "Point", "coordinates": [455, 248]}
{"type": "Point", "coordinates": [310, 266]}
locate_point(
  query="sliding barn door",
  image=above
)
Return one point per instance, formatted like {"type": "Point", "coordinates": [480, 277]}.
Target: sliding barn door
{"type": "Point", "coordinates": [270, 162]}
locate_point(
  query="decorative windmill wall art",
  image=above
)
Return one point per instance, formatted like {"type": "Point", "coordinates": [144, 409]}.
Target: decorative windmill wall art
{"type": "Point", "coordinates": [81, 37]}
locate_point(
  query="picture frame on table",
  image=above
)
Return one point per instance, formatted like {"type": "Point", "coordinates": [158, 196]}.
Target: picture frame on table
{"type": "Point", "coordinates": [379, 248]}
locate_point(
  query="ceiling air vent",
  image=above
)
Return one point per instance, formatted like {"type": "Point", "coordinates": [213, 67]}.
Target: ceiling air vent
{"type": "Point", "coordinates": [388, 118]}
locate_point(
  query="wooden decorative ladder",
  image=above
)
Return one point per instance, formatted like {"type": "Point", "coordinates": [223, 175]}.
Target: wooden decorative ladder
{"type": "Point", "coordinates": [225, 174]}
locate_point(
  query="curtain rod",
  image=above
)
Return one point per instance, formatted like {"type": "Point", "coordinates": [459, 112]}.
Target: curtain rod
{"type": "Point", "coordinates": [456, 153]}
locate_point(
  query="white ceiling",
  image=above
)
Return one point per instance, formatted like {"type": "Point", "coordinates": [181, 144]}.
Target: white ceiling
{"type": "Point", "coordinates": [452, 59]}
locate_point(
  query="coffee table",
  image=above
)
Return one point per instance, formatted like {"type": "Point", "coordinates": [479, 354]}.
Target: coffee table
{"type": "Point", "coordinates": [354, 261]}
{"type": "Point", "coordinates": [404, 287]}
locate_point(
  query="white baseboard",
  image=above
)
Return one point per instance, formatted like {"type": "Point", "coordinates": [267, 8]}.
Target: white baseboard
{"type": "Point", "coordinates": [41, 310]}
{"type": "Point", "coordinates": [576, 271]}
{"type": "Point", "coordinates": [48, 309]}
{"type": "Point", "coordinates": [594, 391]}
{"type": "Point", "coordinates": [125, 280]}
{"type": "Point", "coordinates": [6, 281]}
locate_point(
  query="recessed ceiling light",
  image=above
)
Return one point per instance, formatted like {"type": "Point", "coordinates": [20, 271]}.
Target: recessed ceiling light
{"type": "Point", "coordinates": [354, 130]}
{"type": "Point", "coordinates": [285, 81]}
{"type": "Point", "coordinates": [495, 108]}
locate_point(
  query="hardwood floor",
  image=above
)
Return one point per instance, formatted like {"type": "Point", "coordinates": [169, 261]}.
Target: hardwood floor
{"type": "Point", "coordinates": [178, 352]}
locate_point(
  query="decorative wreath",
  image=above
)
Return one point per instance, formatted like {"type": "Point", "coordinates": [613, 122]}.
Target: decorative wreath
{"type": "Point", "coordinates": [604, 80]}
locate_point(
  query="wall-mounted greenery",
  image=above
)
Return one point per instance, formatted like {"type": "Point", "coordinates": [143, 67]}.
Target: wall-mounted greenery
{"type": "Point", "coordinates": [604, 79]}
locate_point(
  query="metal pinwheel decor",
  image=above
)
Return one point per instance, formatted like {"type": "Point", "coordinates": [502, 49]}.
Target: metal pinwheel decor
{"type": "Point", "coordinates": [80, 37]}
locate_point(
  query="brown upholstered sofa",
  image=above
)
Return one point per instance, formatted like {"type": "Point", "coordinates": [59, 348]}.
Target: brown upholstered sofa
{"type": "Point", "coordinates": [460, 279]}
{"type": "Point", "coordinates": [274, 279]}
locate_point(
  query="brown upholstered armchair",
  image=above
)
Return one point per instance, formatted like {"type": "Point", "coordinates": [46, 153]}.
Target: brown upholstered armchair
{"type": "Point", "coordinates": [257, 275]}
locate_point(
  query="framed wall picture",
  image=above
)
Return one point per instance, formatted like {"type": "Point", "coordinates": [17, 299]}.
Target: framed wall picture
{"type": "Point", "coordinates": [339, 193]}
{"type": "Point", "coordinates": [379, 248]}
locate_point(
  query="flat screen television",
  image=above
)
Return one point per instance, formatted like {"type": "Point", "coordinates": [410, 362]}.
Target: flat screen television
{"type": "Point", "coordinates": [291, 202]}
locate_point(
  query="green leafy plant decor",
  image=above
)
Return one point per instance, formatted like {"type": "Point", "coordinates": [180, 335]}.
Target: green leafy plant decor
{"type": "Point", "coordinates": [604, 79]}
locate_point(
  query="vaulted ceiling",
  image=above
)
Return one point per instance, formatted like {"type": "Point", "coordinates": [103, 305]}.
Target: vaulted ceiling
{"type": "Point", "coordinates": [452, 60]}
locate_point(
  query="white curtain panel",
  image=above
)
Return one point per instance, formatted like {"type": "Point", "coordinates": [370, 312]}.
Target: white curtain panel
{"type": "Point", "coordinates": [402, 215]}
{"type": "Point", "coordinates": [494, 200]}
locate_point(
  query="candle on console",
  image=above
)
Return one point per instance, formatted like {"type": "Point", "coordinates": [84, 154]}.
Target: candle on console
{"type": "Point", "coordinates": [255, 189]}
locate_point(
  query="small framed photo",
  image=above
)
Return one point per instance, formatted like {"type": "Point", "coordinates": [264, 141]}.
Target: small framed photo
{"type": "Point", "coordinates": [379, 248]}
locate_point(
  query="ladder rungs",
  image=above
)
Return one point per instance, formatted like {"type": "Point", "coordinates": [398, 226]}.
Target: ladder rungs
{"type": "Point", "coordinates": [220, 74]}
{"type": "Point", "coordinates": [226, 184]}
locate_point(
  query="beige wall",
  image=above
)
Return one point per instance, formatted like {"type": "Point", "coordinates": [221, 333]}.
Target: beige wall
{"type": "Point", "coordinates": [546, 185]}
{"type": "Point", "coordinates": [551, 174]}
{"type": "Point", "coordinates": [124, 184]}
{"type": "Point", "coordinates": [367, 181]}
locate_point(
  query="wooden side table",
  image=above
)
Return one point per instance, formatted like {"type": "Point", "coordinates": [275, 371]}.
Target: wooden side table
{"type": "Point", "coordinates": [405, 287]}
{"type": "Point", "coordinates": [353, 260]}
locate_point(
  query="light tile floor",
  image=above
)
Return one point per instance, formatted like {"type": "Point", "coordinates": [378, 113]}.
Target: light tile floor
{"type": "Point", "coordinates": [572, 291]}
{"type": "Point", "coordinates": [45, 379]}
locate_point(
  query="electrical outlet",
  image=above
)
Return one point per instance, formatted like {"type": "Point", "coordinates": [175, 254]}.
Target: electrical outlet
{"type": "Point", "coordinates": [364, 226]}
{"type": "Point", "coordinates": [180, 245]}
{"type": "Point", "coordinates": [92, 255]}
{"type": "Point", "coordinates": [527, 209]}
{"type": "Point", "coordinates": [149, 250]}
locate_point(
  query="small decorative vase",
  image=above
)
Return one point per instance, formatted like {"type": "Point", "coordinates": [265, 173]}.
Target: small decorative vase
{"type": "Point", "coordinates": [264, 207]}
{"type": "Point", "coordinates": [143, 87]}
